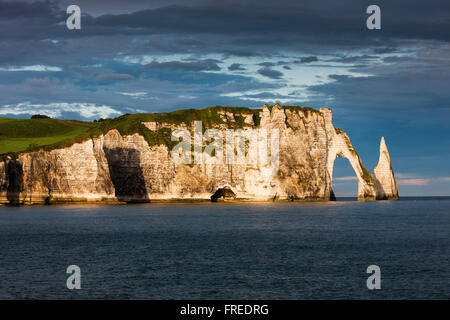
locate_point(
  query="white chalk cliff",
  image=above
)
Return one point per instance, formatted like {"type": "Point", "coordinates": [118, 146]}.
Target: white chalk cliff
{"type": "Point", "coordinates": [112, 167]}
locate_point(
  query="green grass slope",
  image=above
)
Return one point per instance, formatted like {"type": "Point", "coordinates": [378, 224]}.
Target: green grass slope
{"type": "Point", "coordinates": [18, 135]}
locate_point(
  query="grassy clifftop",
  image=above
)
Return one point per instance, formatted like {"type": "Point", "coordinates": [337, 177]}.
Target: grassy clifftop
{"type": "Point", "coordinates": [18, 135]}
{"type": "Point", "coordinates": [22, 135]}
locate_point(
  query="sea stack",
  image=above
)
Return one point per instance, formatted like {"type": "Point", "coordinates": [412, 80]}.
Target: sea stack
{"type": "Point", "coordinates": [383, 176]}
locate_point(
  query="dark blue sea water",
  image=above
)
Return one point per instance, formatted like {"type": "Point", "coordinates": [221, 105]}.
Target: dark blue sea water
{"type": "Point", "coordinates": [227, 250]}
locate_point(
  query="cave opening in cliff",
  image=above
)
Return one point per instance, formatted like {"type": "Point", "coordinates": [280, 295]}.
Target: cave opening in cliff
{"type": "Point", "coordinates": [345, 182]}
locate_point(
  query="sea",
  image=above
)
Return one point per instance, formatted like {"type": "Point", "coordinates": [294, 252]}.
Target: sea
{"type": "Point", "coordinates": [281, 250]}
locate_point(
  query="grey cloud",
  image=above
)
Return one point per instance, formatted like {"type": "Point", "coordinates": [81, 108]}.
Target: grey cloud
{"type": "Point", "coordinates": [307, 59]}
{"type": "Point", "coordinates": [353, 59]}
{"type": "Point", "coordinates": [384, 50]}
{"type": "Point", "coordinates": [236, 67]}
{"type": "Point", "coordinates": [239, 52]}
{"type": "Point", "coordinates": [339, 77]}
{"type": "Point", "coordinates": [107, 77]}
{"type": "Point", "coordinates": [267, 64]}
{"type": "Point", "coordinates": [395, 59]}
{"type": "Point", "coordinates": [270, 73]}
{"type": "Point", "coordinates": [200, 65]}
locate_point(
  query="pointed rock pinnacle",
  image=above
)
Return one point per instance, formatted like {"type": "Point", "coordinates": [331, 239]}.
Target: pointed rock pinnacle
{"type": "Point", "coordinates": [383, 175]}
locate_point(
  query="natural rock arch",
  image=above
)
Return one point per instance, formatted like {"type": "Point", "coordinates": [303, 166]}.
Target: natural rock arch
{"type": "Point", "coordinates": [366, 188]}
{"type": "Point", "coordinates": [380, 185]}
{"type": "Point", "coordinates": [340, 146]}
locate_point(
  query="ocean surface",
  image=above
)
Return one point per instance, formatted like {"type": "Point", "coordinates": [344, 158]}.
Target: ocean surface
{"type": "Point", "coordinates": [227, 250]}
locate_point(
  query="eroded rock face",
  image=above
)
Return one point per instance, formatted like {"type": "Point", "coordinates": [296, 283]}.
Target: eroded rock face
{"type": "Point", "coordinates": [383, 176]}
{"type": "Point", "coordinates": [112, 167]}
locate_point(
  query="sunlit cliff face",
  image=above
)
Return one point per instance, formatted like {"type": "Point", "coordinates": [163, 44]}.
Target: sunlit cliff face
{"type": "Point", "coordinates": [141, 56]}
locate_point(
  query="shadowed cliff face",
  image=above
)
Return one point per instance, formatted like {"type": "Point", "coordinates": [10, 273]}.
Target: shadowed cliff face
{"type": "Point", "coordinates": [14, 175]}
{"type": "Point", "coordinates": [126, 174]}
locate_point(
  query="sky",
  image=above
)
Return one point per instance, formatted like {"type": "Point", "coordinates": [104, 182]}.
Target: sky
{"type": "Point", "coordinates": [156, 56]}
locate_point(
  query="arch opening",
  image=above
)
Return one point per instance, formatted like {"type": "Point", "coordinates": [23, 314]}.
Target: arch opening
{"type": "Point", "coordinates": [344, 181]}
{"type": "Point", "coordinates": [221, 194]}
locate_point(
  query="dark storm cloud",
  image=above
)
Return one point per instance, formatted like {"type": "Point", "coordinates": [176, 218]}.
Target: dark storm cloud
{"type": "Point", "coordinates": [324, 19]}
{"type": "Point", "coordinates": [35, 32]}
{"type": "Point", "coordinates": [242, 28]}
{"type": "Point", "coordinates": [201, 65]}
{"type": "Point", "coordinates": [21, 20]}
{"type": "Point", "coordinates": [270, 73]}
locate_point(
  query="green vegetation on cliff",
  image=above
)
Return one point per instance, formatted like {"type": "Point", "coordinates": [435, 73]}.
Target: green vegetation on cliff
{"type": "Point", "coordinates": [23, 135]}
{"type": "Point", "coordinates": [295, 108]}
{"type": "Point", "coordinates": [301, 109]}
{"type": "Point", "coordinates": [209, 116]}
{"type": "Point", "coordinates": [366, 174]}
